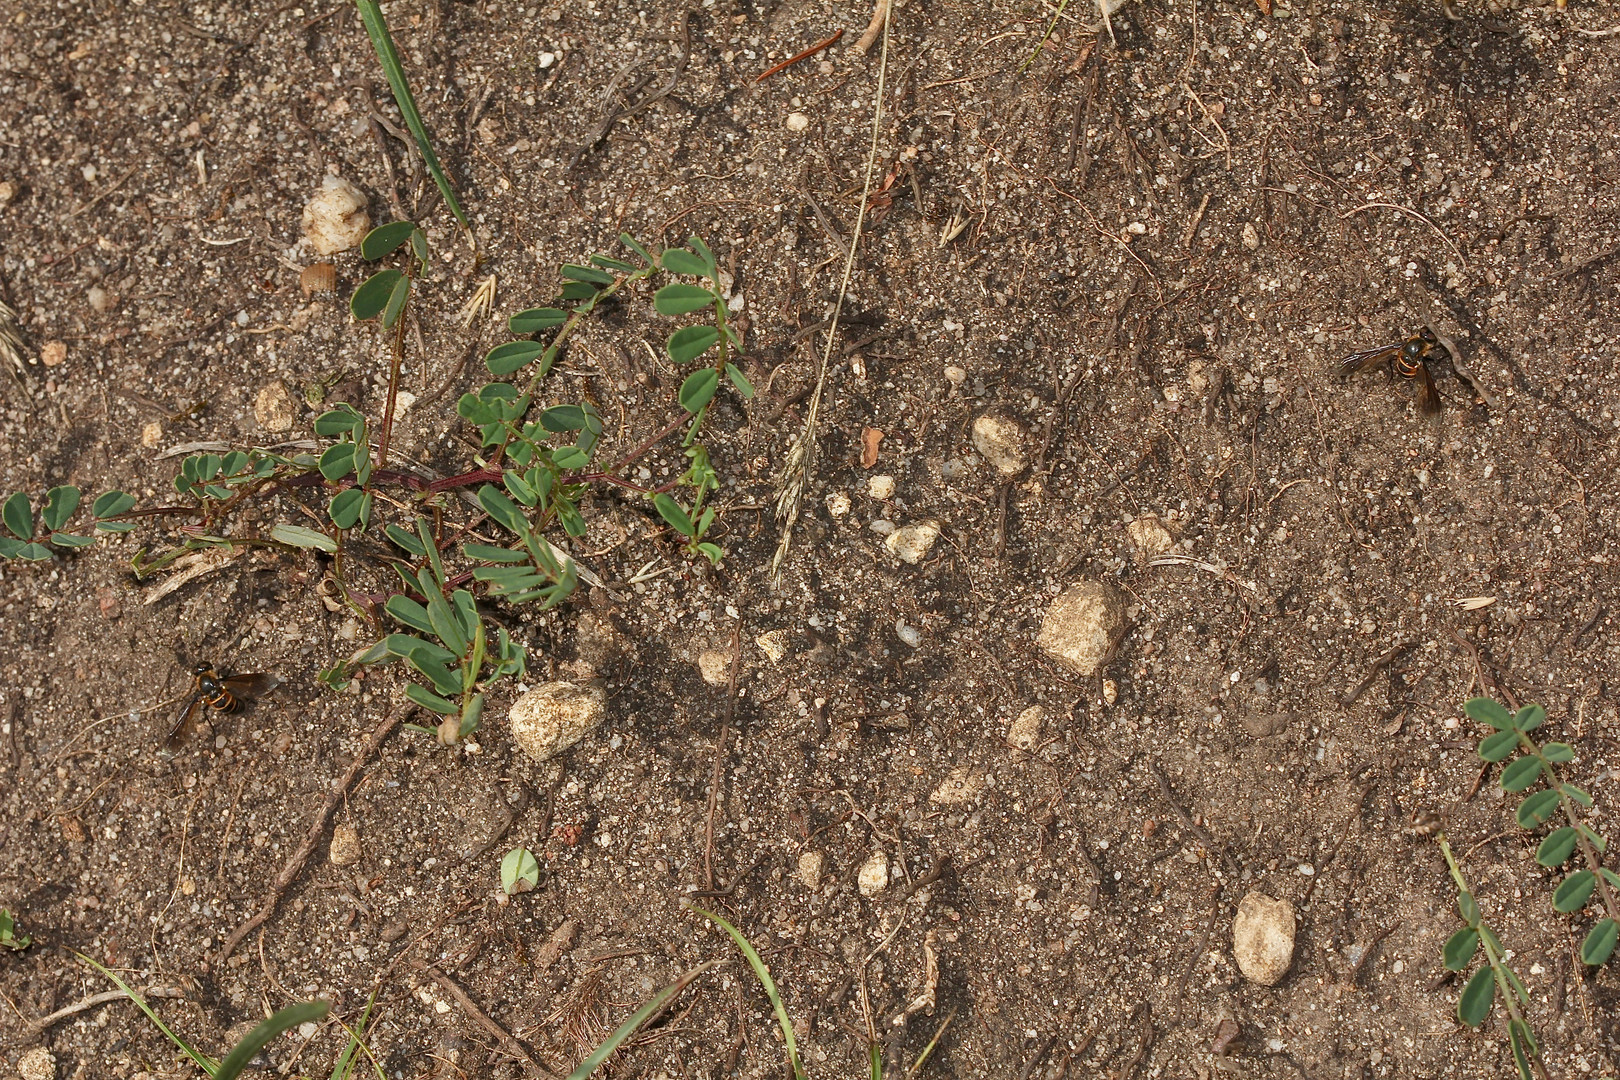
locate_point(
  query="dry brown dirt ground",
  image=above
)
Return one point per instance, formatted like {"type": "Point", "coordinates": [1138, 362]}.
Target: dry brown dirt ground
{"type": "Point", "coordinates": [1164, 240]}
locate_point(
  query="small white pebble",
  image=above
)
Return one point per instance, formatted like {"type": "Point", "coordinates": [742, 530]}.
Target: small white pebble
{"type": "Point", "coordinates": [797, 121]}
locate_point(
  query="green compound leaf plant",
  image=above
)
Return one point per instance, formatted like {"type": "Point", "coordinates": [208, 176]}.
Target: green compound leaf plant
{"type": "Point", "coordinates": [1530, 767]}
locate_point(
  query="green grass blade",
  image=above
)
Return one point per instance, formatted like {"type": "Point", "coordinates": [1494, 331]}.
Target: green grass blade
{"type": "Point", "coordinates": [204, 1062]}
{"type": "Point", "coordinates": [639, 1017]}
{"type": "Point", "coordinates": [763, 974]}
{"type": "Point", "coordinates": [259, 1037]}
{"type": "Point", "coordinates": [388, 57]}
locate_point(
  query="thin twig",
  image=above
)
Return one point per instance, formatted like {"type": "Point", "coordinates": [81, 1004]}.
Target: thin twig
{"type": "Point", "coordinates": [790, 61]}
{"type": "Point", "coordinates": [93, 1000]}
{"type": "Point", "coordinates": [511, 1046]}
{"type": "Point", "coordinates": [317, 829]}
{"type": "Point", "coordinates": [1372, 673]}
{"type": "Point", "coordinates": [1188, 823]}
{"type": "Point", "coordinates": [1412, 213]}
{"type": "Point", "coordinates": [880, 20]}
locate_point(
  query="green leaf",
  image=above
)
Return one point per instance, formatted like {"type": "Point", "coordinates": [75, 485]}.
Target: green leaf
{"type": "Point", "coordinates": [1610, 876]}
{"type": "Point", "coordinates": [337, 460]}
{"type": "Point", "coordinates": [338, 421]}
{"type": "Point", "coordinates": [698, 389]}
{"type": "Point", "coordinates": [111, 504]}
{"type": "Point", "coordinates": [34, 552]}
{"type": "Point", "coordinates": [574, 272]}
{"type": "Point", "coordinates": [397, 296]}
{"type": "Point", "coordinates": [1557, 847]}
{"type": "Point", "coordinates": [1599, 944]}
{"type": "Point", "coordinates": [409, 612]}
{"type": "Point", "coordinates": [519, 871]}
{"type": "Point", "coordinates": [1489, 712]}
{"type": "Point", "coordinates": [520, 488]}
{"type": "Point", "coordinates": [534, 320]}
{"type": "Point", "coordinates": [429, 700]}
{"type": "Point", "coordinates": [573, 522]}
{"type": "Point", "coordinates": [1538, 809]}
{"type": "Point", "coordinates": [739, 380]}
{"type": "Point", "coordinates": [1530, 717]}
{"type": "Point", "coordinates": [345, 507]}
{"type": "Point", "coordinates": [406, 646]}
{"type": "Point", "coordinates": [257, 1039]}
{"type": "Point", "coordinates": [1521, 775]}
{"type": "Point", "coordinates": [386, 239]}
{"type": "Point", "coordinates": [446, 627]}
{"type": "Point", "coordinates": [1460, 948]}
{"type": "Point", "coordinates": [1468, 908]}
{"type": "Point", "coordinates": [504, 580]}
{"type": "Point", "coordinates": [608, 263]}
{"type": "Point", "coordinates": [1499, 747]}
{"type": "Point", "coordinates": [712, 552]}
{"type": "Point", "coordinates": [570, 457]}
{"type": "Point", "coordinates": [505, 359]}
{"type": "Point", "coordinates": [704, 253]}
{"type": "Point", "coordinates": [491, 553]}
{"type": "Point", "coordinates": [681, 261]}
{"type": "Point", "coordinates": [1524, 1048]}
{"type": "Point", "coordinates": [1558, 753]}
{"type": "Point", "coordinates": [671, 512]}
{"type": "Point", "coordinates": [503, 509]}
{"type": "Point", "coordinates": [578, 290]}
{"type": "Point", "coordinates": [689, 343]}
{"type": "Point", "coordinates": [300, 537]}
{"type": "Point", "coordinates": [635, 245]}
{"type": "Point", "coordinates": [373, 296]}
{"type": "Point", "coordinates": [563, 418]}
{"type": "Point", "coordinates": [18, 515]}
{"type": "Point", "coordinates": [69, 540]}
{"type": "Point", "coordinates": [682, 299]}
{"type": "Point", "coordinates": [115, 526]}
{"type": "Point", "coordinates": [1572, 792]}
{"type": "Point", "coordinates": [9, 548]}
{"type": "Point", "coordinates": [419, 247]}
{"type": "Point", "coordinates": [1573, 892]}
{"type": "Point", "coordinates": [1477, 998]}
{"type": "Point", "coordinates": [405, 540]}
{"type": "Point", "coordinates": [60, 502]}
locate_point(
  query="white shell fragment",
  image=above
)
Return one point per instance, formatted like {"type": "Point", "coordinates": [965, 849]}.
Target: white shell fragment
{"type": "Point", "coordinates": [1263, 938]}
{"type": "Point", "coordinates": [962, 784]}
{"type": "Point", "coordinates": [1025, 732]}
{"type": "Point", "coordinates": [913, 542]}
{"type": "Point", "coordinates": [1082, 627]}
{"type": "Point", "coordinates": [549, 719]}
{"type": "Point", "coordinates": [335, 218]}
{"type": "Point", "coordinates": [774, 644]}
{"type": "Point", "coordinates": [1001, 440]}
{"type": "Point", "coordinates": [874, 874]}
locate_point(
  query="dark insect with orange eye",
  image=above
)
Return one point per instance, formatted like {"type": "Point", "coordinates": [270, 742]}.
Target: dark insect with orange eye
{"type": "Point", "coordinates": [1408, 357]}
{"type": "Point", "coordinates": [210, 690]}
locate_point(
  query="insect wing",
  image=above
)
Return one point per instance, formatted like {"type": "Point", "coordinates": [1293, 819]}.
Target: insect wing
{"type": "Point", "coordinates": [184, 721]}
{"type": "Point", "coordinates": [1370, 358]}
{"type": "Point", "coordinates": [1428, 396]}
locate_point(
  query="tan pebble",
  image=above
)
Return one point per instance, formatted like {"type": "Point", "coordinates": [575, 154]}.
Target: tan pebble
{"type": "Point", "coordinates": [774, 644]}
{"type": "Point", "coordinates": [273, 407]}
{"type": "Point", "coordinates": [1025, 732]}
{"type": "Point", "coordinates": [1001, 440]}
{"type": "Point", "coordinates": [810, 867]}
{"type": "Point", "coordinates": [963, 784]}
{"type": "Point", "coordinates": [873, 877]}
{"type": "Point", "coordinates": [318, 277]}
{"type": "Point", "coordinates": [1149, 537]}
{"type": "Point", "coordinates": [1110, 691]}
{"type": "Point", "coordinates": [549, 719]}
{"type": "Point", "coordinates": [838, 504]}
{"type": "Point", "coordinates": [8, 191]}
{"type": "Point", "coordinates": [335, 217]}
{"type": "Point", "coordinates": [345, 849]}
{"type": "Point", "coordinates": [715, 666]}
{"type": "Point", "coordinates": [913, 542]}
{"type": "Point", "coordinates": [880, 487]}
{"type": "Point", "coordinates": [152, 434]}
{"type": "Point", "coordinates": [1251, 236]}
{"type": "Point", "coordinates": [954, 375]}
{"type": "Point", "coordinates": [53, 353]}
{"type": "Point", "coordinates": [37, 1064]}
{"type": "Point", "coordinates": [1263, 938]}
{"type": "Point", "coordinates": [797, 121]}
{"type": "Point", "coordinates": [101, 301]}
{"type": "Point", "coordinates": [1083, 626]}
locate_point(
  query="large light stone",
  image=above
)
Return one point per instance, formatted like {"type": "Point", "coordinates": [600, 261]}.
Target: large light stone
{"type": "Point", "coordinates": [549, 719]}
{"type": "Point", "coordinates": [1263, 938]}
{"type": "Point", "coordinates": [1083, 626]}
